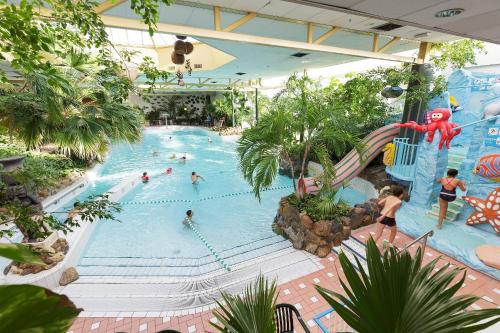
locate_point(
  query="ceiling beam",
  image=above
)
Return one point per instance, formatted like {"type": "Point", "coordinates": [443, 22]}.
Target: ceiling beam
{"type": "Point", "coordinates": [239, 22]}
{"type": "Point", "coordinates": [310, 30]}
{"type": "Point", "coordinates": [217, 18]}
{"type": "Point", "coordinates": [107, 5]}
{"type": "Point", "coordinates": [174, 29]}
{"type": "Point", "coordinates": [389, 44]}
{"type": "Point", "coordinates": [327, 35]}
{"type": "Point", "coordinates": [375, 43]}
{"type": "Point", "coordinates": [424, 51]}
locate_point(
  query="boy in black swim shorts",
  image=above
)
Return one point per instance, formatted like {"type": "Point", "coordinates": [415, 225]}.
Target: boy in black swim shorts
{"type": "Point", "coordinates": [388, 214]}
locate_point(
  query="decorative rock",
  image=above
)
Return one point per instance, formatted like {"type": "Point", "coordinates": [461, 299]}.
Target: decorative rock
{"type": "Point", "coordinates": [26, 271]}
{"type": "Point", "coordinates": [336, 228]}
{"type": "Point", "coordinates": [306, 221]}
{"type": "Point", "coordinates": [61, 245]}
{"type": "Point", "coordinates": [57, 257]}
{"type": "Point", "coordinates": [7, 269]}
{"type": "Point", "coordinates": [15, 270]}
{"type": "Point", "coordinates": [337, 241]}
{"type": "Point", "coordinates": [311, 248]}
{"type": "Point", "coordinates": [37, 269]}
{"type": "Point", "coordinates": [297, 239]}
{"type": "Point", "coordinates": [346, 232]}
{"type": "Point", "coordinates": [68, 276]}
{"type": "Point", "coordinates": [322, 228]}
{"type": "Point", "coordinates": [323, 251]}
{"type": "Point", "coordinates": [312, 238]}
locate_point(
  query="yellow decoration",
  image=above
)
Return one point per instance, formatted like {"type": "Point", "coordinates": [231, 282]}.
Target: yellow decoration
{"type": "Point", "coordinates": [389, 151]}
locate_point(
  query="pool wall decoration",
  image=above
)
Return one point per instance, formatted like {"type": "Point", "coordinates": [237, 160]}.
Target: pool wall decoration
{"type": "Point", "coordinates": [485, 211]}
{"type": "Point", "coordinates": [437, 119]}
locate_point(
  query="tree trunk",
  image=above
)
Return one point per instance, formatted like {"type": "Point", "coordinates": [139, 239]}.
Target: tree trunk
{"type": "Point", "coordinates": [292, 172]}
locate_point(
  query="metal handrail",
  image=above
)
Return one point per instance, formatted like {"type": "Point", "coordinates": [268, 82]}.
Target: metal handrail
{"type": "Point", "coordinates": [428, 234]}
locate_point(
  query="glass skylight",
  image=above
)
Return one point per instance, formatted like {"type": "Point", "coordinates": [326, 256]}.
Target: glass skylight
{"type": "Point", "coordinates": [129, 37]}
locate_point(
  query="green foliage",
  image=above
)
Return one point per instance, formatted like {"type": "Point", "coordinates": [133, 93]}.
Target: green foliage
{"type": "Point", "coordinates": [35, 224]}
{"type": "Point", "coordinates": [20, 253]}
{"type": "Point", "coordinates": [26, 308]}
{"type": "Point", "coordinates": [53, 33]}
{"type": "Point", "coordinates": [251, 313]}
{"type": "Point", "coordinates": [456, 54]}
{"type": "Point", "coordinates": [399, 295]}
{"type": "Point", "coordinates": [152, 73]}
{"type": "Point", "coordinates": [321, 207]}
{"type": "Point", "coordinates": [230, 101]}
{"type": "Point", "coordinates": [302, 120]}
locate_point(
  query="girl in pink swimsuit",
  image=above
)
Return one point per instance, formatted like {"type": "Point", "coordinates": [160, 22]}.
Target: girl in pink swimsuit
{"type": "Point", "coordinates": [448, 193]}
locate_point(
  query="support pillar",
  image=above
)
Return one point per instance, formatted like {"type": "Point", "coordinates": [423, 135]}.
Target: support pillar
{"type": "Point", "coordinates": [414, 110]}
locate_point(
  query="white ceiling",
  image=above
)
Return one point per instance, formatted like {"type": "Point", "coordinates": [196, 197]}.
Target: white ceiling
{"type": "Point", "coordinates": [480, 19]}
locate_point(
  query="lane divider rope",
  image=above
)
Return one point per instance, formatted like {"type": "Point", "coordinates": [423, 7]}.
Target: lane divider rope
{"type": "Point", "coordinates": [156, 202]}
{"type": "Point", "coordinates": [209, 247]}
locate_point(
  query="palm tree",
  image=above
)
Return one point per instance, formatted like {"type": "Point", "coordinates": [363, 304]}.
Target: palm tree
{"type": "Point", "coordinates": [399, 295]}
{"type": "Point", "coordinates": [251, 313]}
{"type": "Point", "coordinates": [300, 121]}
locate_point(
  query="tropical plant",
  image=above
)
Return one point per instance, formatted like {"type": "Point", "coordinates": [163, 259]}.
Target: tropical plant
{"type": "Point", "coordinates": [27, 308]}
{"type": "Point", "coordinates": [399, 295]}
{"type": "Point", "coordinates": [251, 313]}
{"type": "Point", "coordinates": [301, 121]}
{"type": "Point", "coordinates": [34, 224]}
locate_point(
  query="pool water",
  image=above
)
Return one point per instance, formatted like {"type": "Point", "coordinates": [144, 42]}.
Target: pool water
{"type": "Point", "coordinates": [226, 213]}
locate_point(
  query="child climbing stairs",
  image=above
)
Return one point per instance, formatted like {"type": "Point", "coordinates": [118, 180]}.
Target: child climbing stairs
{"type": "Point", "coordinates": [455, 159]}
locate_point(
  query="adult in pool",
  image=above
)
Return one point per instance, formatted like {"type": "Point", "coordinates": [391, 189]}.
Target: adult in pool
{"type": "Point", "coordinates": [195, 178]}
{"type": "Point", "coordinates": [448, 193]}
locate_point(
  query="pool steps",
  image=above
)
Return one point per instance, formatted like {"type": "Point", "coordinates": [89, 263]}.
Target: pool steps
{"type": "Point", "coordinates": [455, 161]}
{"type": "Point", "coordinates": [184, 287]}
{"type": "Point", "coordinates": [353, 249]}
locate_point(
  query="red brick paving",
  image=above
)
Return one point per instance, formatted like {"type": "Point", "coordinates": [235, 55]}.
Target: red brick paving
{"type": "Point", "coordinates": [476, 283]}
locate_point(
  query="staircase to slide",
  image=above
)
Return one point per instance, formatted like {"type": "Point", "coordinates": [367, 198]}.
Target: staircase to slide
{"type": "Point", "coordinates": [455, 160]}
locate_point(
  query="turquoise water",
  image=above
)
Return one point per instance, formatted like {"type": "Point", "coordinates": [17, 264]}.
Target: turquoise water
{"type": "Point", "coordinates": [225, 212]}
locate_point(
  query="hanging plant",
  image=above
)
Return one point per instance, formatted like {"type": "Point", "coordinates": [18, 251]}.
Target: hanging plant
{"type": "Point", "coordinates": [180, 47]}
{"type": "Point", "coordinates": [180, 37]}
{"type": "Point", "coordinates": [189, 47]}
{"type": "Point", "coordinates": [188, 67]}
{"type": "Point", "coordinates": [177, 59]}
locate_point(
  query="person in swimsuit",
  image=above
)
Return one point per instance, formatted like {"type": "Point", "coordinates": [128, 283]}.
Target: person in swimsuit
{"type": "Point", "coordinates": [388, 214]}
{"type": "Point", "coordinates": [145, 177]}
{"type": "Point", "coordinates": [189, 217]}
{"type": "Point", "coordinates": [195, 178]}
{"type": "Point", "coordinates": [448, 193]}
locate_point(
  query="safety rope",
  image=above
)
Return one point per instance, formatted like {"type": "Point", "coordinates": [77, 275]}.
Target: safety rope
{"type": "Point", "coordinates": [161, 201]}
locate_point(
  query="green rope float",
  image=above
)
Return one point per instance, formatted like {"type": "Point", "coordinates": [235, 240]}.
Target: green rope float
{"type": "Point", "coordinates": [210, 248]}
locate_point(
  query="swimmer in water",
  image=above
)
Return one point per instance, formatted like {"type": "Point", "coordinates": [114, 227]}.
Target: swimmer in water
{"type": "Point", "coordinates": [168, 171]}
{"type": "Point", "coordinates": [183, 159]}
{"type": "Point", "coordinates": [145, 177]}
{"type": "Point", "coordinates": [75, 211]}
{"type": "Point", "coordinates": [173, 157]}
{"type": "Point", "coordinates": [189, 217]}
{"type": "Point", "coordinates": [196, 177]}
{"type": "Point", "coordinates": [209, 140]}
{"type": "Point", "coordinates": [155, 153]}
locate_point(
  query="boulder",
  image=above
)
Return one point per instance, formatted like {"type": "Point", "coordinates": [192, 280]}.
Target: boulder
{"type": "Point", "coordinates": [37, 269]}
{"type": "Point", "coordinates": [68, 276]}
{"type": "Point", "coordinates": [297, 238]}
{"type": "Point", "coordinates": [337, 240]}
{"type": "Point", "coordinates": [336, 227]}
{"type": "Point", "coordinates": [312, 238]}
{"type": "Point", "coordinates": [60, 245]}
{"type": "Point", "coordinates": [346, 232]}
{"type": "Point", "coordinates": [291, 215]}
{"type": "Point", "coordinates": [57, 257]}
{"type": "Point", "coordinates": [356, 216]}
{"type": "Point", "coordinates": [322, 227]}
{"type": "Point", "coordinates": [311, 248]}
{"type": "Point", "coordinates": [7, 269]}
{"type": "Point", "coordinates": [306, 221]}
{"type": "Point", "coordinates": [323, 251]}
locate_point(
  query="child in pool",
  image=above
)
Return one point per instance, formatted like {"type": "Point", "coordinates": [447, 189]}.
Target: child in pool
{"type": "Point", "coordinates": [448, 193]}
{"type": "Point", "coordinates": [145, 177]}
{"type": "Point", "coordinates": [189, 217]}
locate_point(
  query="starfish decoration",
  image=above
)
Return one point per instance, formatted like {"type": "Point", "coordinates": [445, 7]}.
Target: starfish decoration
{"type": "Point", "coordinates": [486, 211]}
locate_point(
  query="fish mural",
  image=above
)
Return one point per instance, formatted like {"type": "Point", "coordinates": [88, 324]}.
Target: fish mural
{"type": "Point", "coordinates": [454, 104]}
{"type": "Point", "coordinates": [489, 167]}
{"type": "Point", "coordinates": [389, 151]}
{"type": "Point", "coordinates": [492, 110]}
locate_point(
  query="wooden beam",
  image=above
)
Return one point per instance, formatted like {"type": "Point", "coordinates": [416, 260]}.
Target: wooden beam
{"type": "Point", "coordinates": [174, 29]}
{"type": "Point", "coordinates": [327, 35]}
{"type": "Point", "coordinates": [107, 5]}
{"type": "Point", "coordinates": [375, 43]}
{"type": "Point", "coordinates": [217, 26]}
{"type": "Point", "coordinates": [310, 29]}
{"type": "Point", "coordinates": [424, 51]}
{"type": "Point", "coordinates": [239, 22]}
{"type": "Point", "coordinates": [389, 44]}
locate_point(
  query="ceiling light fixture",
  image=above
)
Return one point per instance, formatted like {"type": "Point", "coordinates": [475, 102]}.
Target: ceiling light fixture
{"type": "Point", "coordinates": [449, 12]}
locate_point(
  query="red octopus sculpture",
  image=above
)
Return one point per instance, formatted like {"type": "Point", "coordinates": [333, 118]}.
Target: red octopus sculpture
{"type": "Point", "coordinates": [438, 120]}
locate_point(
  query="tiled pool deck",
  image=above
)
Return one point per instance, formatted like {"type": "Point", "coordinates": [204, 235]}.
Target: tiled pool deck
{"type": "Point", "coordinates": [300, 292]}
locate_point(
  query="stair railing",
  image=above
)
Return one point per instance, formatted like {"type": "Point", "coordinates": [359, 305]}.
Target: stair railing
{"type": "Point", "coordinates": [403, 166]}
{"type": "Point", "coordinates": [422, 238]}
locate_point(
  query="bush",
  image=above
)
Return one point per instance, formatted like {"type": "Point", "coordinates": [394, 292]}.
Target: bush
{"type": "Point", "coordinates": [312, 206]}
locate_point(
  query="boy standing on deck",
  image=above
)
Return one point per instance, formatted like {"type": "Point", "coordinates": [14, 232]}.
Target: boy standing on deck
{"type": "Point", "coordinates": [388, 214]}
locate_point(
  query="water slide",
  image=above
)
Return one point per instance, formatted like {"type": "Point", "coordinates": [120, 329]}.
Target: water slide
{"type": "Point", "coordinates": [351, 165]}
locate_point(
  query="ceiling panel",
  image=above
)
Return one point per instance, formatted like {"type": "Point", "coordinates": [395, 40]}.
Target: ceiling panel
{"type": "Point", "coordinates": [389, 8]}
{"type": "Point", "coordinates": [474, 23]}
{"type": "Point", "coordinates": [472, 7]}
{"type": "Point", "coordinates": [327, 16]}
{"type": "Point", "coordinates": [251, 6]}
{"type": "Point", "coordinates": [304, 13]}
{"type": "Point", "coordinates": [278, 8]}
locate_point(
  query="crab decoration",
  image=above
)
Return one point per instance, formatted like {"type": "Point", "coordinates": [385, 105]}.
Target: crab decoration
{"type": "Point", "coordinates": [437, 120]}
